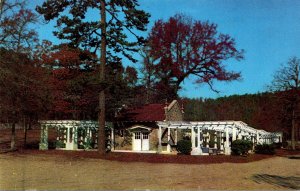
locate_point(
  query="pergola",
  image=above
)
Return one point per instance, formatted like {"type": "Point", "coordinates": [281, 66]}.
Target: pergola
{"type": "Point", "coordinates": [70, 133]}
{"type": "Point", "coordinates": [227, 129]}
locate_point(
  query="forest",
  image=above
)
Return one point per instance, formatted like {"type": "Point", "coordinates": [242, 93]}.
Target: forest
{"type": "Point", "coordinates": [268, 111]}
{"type": "Point", "coordinates": [93, 71]}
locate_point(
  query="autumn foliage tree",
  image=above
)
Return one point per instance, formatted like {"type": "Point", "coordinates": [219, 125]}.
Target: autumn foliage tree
{"type": "Point", "coordinates": [19, 74]}
{"type": "Point", "coordinates": [184, 48]}
{"type": "Point", "coordinates": [72, 83]}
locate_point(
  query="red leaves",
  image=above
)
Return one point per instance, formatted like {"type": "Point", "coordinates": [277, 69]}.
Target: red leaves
{"type": "Point", "coordinates": [15, 30]}
{"type": "Point", "coordinates": [70, 83]}
{"type": "Point", "coordinates": [186, 47]}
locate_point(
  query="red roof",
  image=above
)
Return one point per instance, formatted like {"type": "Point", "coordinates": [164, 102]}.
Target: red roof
{"type": "Point", "coordinates": [150, 112]}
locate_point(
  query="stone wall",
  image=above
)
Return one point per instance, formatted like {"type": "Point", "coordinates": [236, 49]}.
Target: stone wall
{"type": "Point", "coordinates": [124, 142]}
{"type": "Point", "coordinates": [154, 140]}
{"type": "Point", "coordinates": [173, 112]}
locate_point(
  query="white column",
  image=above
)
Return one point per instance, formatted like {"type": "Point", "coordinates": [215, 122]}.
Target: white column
{"type": "Point", "coordinates": [253, 141]}
{"type": "Point", "coordinates": [159, 139]}
{"type": "Point", "coordinates": [240, 135]}
{"type": "Point", "coordinates": [112, 141]}
{"type": "Point", "coordinates": [207, 139]}
{"type": "Point", "coordinates": [193, 137]}
{"type": "Point", "coordinates": [198, 139]}
{"type": "Point", "coordinates": [44, 137]}
{"type": "Point", "coordinates": [168, 145]}
{"type": "Point", "coordinates": [87, 133]}
{"type": "Point", "coordinates": [216, 140]}
{"type": "Point", "coordinates": [233, 134]}
{"type": "Point", "coordinates": [68, 134]}
{"type": "Point", "coordinates": [280, 139]}
{"type": "Point", "coordinates": [68, 144]}
{"type": "Point", "coordinates": [176, 136]}
{"type": "Point", "coordinates": [196, 150]}
{"type": "Point", "coordinates": [65, 135]}
{"type": "Point", "coordinates": [222, 142]}
{"type": "Point", "coordinates": [90, 133]}
{"type": "Point", "coordinates": [227, 148]}
{"type": "Point", "coordinates": [74, 138]}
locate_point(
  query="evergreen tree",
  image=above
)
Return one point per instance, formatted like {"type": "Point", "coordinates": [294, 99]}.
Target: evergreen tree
{"type": "Point", "coordinates": [106, 34]}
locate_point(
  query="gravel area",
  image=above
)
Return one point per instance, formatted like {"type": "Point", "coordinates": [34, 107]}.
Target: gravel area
{"type": "Point", "coordinates": [44, 171]}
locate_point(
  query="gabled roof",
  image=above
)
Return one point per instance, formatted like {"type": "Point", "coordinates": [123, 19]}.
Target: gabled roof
{"type": "Point", "coordinates": [146, 113]}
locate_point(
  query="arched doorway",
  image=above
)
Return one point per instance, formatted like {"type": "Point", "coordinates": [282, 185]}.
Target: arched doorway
{"type": "Point", "coordinates": [140, 138]}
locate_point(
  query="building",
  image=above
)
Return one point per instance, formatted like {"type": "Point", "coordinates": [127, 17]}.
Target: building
{"type": "Point", "coordinates": [137, 129]}
{"type": "Point", "coordinates": [155, 128]}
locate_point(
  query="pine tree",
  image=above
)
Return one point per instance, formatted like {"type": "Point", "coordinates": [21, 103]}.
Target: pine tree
{"type": "Point", "coordinates": [110, 33]}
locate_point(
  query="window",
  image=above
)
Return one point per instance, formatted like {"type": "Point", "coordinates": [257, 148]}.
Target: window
{"type": "Point", "coordinates": [137, 135]}
{"type": "Point", "coordinates": [145, 136]}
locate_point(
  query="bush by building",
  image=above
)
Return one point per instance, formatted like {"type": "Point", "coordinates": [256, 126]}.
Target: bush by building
{"type": "Point", "coordinates": [184, 147]}
{"type": "Point", "coordinates": [265, 149]}
{"type": "Point", "coordinates": [241, 147]}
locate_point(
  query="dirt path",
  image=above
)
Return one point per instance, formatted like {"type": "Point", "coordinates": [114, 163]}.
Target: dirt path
{"type": "Point", "coordinates": [49, 172]}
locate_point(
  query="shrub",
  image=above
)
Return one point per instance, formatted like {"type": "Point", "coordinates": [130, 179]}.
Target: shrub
{"type": "Point", "coordinates": [265, 149]}
{"type": "Point", "coordinates": [60, 144]}
{"type": "Point", "coordinates": [34, 145]}
{"type": "Point", "coordinates": [241, 147]}
{"type": "Point", "coordinates": [87, 144]}
{"type": "Point", "coordinates": [184, 147]}
{"type": "Point", "coordinates": [212, 142]}
{"type": "Point", "coordinates": [52, 145]}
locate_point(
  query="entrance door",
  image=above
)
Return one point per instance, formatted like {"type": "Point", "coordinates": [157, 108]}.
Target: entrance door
{"type": "Point", "coordinates": [141, 141]}
{"type": "Point", "coordinates": [145, 141]}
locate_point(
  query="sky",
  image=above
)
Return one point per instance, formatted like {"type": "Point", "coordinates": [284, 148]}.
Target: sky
{"type": "Point", "coordinates": [268, 31]}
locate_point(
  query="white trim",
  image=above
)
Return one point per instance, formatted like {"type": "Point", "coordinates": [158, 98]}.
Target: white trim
{"type": "Point", "coordinates": [131, 151]}
{"type": "Point", "coordinates": [169, 107]}
{"type": "Point", "coordinates": [139, 127]}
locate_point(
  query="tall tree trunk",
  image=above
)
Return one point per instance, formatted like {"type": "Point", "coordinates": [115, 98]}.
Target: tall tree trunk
{"type": "Point", "coordinates": [296, 133]}
{"type": "Point", "coordinates": [101, 117]}
{"type": "Point", "coordinates": [295, 112]}
{"type": "Point", "coordinates": [293, 130]}
{"type": "Point", "coordinates": [13, 136]}
{"type": "Point", "coordinates": [25, 132]}
{"type": "Point", "coordinates": [293, 143]}
{"type": "Point", "coordinates": [13, 131]}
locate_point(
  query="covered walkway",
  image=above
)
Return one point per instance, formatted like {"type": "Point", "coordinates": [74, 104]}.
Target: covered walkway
{"type": "Point", "coordinates": [227, 131]}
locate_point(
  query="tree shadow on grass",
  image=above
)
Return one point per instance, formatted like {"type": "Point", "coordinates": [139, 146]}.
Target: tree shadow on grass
{"type": "Point", "coordinates": [291, 182]}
